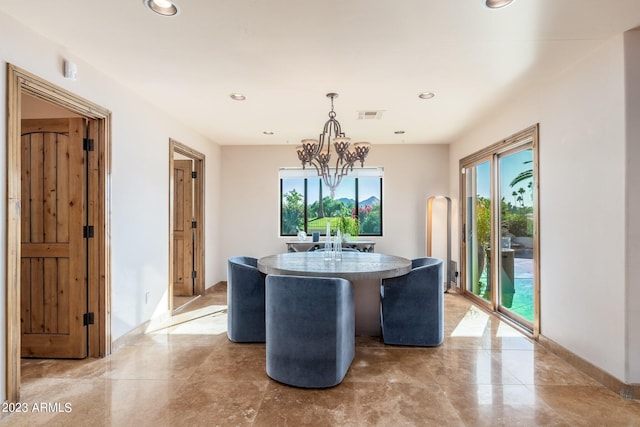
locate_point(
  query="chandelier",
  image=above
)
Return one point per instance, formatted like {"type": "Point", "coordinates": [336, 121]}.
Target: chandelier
{"type": "Point", "coordinates": [314, 152]}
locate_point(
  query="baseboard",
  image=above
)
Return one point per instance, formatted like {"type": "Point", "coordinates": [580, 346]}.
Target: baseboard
{"type": "Point", "coordinates": [628, 391]}
{"type": "Point", "coordinates": [211, 288]}
{"type": "Point", "coordinates": [130, 336]}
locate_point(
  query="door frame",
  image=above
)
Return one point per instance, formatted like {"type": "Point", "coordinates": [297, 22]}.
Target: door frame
{"type": "Point", "coordinates": [528, 135]}
{"type": "Point", "coordinates": [21, 82]}
{"type": "Point", "coordinates": [198, 158]}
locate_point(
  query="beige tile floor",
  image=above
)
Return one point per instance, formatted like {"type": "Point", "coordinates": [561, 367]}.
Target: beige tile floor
{"type": "Point", "coordinates": [189, 374]}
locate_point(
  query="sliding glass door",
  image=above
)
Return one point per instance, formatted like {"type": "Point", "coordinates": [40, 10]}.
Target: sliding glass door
{"type": "Point", "coordinates": [499, 228]}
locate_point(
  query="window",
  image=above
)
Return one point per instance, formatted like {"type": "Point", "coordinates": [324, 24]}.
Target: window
{"type": "Point", "coordinates": [305, 204]}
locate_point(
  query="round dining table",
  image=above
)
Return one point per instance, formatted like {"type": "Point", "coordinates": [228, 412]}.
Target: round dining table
{"type": "Point", "coordinates": [364, 269]}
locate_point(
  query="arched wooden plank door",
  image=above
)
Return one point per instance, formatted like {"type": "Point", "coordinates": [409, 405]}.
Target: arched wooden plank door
{"type": "Point", "coordinates": [53, 239]}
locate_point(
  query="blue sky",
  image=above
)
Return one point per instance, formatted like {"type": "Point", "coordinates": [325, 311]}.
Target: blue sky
{"type": "Point", "coordinates": [511, 166]}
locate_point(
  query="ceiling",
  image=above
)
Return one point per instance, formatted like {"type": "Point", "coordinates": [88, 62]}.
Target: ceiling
{"type": "Point", "coordinates": [285, 55]}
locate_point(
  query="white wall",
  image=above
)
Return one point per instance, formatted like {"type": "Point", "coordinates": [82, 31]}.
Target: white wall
{"type": "Point", "coordinates": [139, 188]}
{"type": "Point", "coordinates": [582, 201]}
{"type": "Point", "coordinates": [250, 211]}
{"type": "Point", "coordinates": [632, 72]}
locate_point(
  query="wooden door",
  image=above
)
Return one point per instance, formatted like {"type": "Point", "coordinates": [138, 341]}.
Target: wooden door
{"type": "Point", "coordinates": [182, 229]}
{"type": "Point", "coordinates": [53, 250]}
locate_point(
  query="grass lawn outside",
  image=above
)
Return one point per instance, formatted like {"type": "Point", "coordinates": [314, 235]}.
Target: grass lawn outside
{"type": "Point", "coordinates": [320, 224]}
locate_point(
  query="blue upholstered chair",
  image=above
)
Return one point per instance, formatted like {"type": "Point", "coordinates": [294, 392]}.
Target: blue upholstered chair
{"type": "Point", "coordinates": [310, 330]}
{"type": "Point", "coordinates": [245, 300]}
{"type": "Point", "coordinates": [411, 307]}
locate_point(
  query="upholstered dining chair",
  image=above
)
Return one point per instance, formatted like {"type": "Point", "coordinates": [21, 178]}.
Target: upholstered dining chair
{"type": "Point", "coordinates": [245, 300]}
{"type": "Point", "coordinates": [411, 306]}
{"type": "Point", "coordinates": [310, 325]}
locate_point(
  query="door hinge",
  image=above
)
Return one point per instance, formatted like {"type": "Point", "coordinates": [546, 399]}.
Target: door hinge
{"type": "Point", "coordinates": [88, 319]}
{"type": "Point", "coordinates": [194, 224]}
{"type": "Point", "coordinates": [87, 231]}
{"type": "Point", "coordinates": [87, 144]}
{"type": "Point", "coordinates": [194, 174]}
{"type": "Point", "coordinates": [193, 274]}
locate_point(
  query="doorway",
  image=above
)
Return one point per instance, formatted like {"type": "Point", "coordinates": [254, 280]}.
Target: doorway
{"type": "Point", "coordinates": [95, 269]}
{"type": "Point", "coordinates": [186, 225]}
{"type": "Point", "coordinates": [499, 187]}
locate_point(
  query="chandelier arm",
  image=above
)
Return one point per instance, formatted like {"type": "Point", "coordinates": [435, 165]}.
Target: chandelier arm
{"type": "Point", "coordinates": [326, 171]}
{"type": "Point", "coordinates": [320, 144]}
{"type": "Point", "coordinates": [327, 132]}
{"type": "Point", "coordinates": [339, 169]}
{"type": "Point", "coordinates": [315, 165]}
{"type": "Point", "coordinates": [337, 129]}
{"type": "Point", "coordinates": [346, 167]}
{"type": "Point", "coordinates": [330, 181]}
{"type": "Point", "coordinates": [327, 181]}
{"type": "Point", "coordinates": [338, 181]}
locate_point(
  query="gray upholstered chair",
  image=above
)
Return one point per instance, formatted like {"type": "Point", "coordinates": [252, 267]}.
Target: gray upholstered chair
{"type": "Point", "coordinates": [310, 330]}
{"type": "Point", "coordinates": [245, 300]}
{"type": "Point", "coordinates": [411, 306]}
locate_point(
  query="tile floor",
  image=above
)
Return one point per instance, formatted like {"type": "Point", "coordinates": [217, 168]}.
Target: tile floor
{"type": "Point", "coordinates": [187, 373]}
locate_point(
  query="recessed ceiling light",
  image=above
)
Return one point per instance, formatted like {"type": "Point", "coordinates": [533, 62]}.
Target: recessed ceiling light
{"type": "Point", "coordinates": [238, 96]}
{"type": "Point", "coordinates": [399, 132]}
{"type": "Point", "coordinates": [162, 7]}
{"type": "Point", "coordinates": [497, 4]}
{"type": "Point", "coordinates": [426, 95]}
{"type": "Point", "coordinates": [268, 132]}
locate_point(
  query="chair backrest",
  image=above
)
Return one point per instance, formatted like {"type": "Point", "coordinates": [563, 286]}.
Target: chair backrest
{"type": "Point", "coordinates": [424, 262]}
{"type": "Point", "coordinates": [304, 286]}
{"type": "Point", "coordinates": [424, 271]}
{"type": "Point", "coordinates": [244, 260]}
{"type": "Point", "coordinates": [244, 269]}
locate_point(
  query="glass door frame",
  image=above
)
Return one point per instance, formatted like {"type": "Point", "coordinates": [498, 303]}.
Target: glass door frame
{"type": "Point", "coordinates": [526, 139]}
{"type": "Point", "coordinates": [467, 231]}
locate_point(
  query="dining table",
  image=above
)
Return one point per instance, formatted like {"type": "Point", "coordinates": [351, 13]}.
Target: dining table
{"type": "Point", "coordinates": [365, 270]}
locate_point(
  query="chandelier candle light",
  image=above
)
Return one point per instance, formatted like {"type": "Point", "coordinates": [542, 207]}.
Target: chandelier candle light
{"type": "Point", "coordinates": [314, 152]}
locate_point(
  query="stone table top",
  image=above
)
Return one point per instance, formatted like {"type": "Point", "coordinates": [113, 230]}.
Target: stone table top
{"type": "Point", "coordinates": [354, 265]}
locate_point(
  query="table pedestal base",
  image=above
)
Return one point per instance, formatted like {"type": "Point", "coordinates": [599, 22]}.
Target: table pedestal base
{"type": "Point", "coordinates": [366, 298]}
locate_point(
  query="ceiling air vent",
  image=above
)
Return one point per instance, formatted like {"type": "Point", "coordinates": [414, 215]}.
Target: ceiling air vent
{"type": "Point", "coordinates": [371, 114]}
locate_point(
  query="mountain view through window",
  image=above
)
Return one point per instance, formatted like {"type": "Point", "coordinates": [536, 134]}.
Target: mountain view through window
{"type": "Point", "coordinates": [356, 208]}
